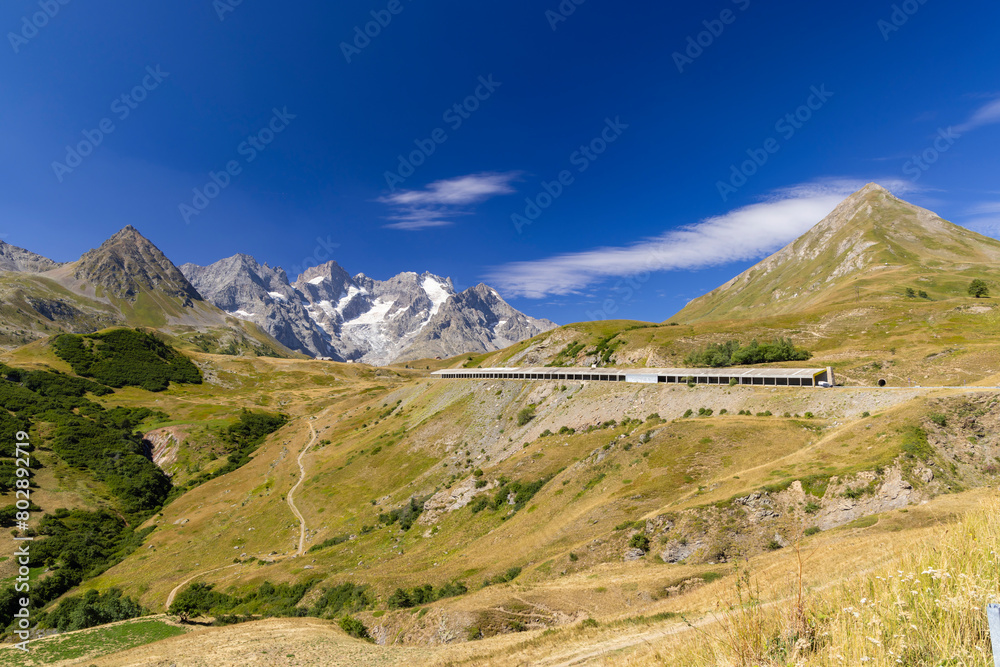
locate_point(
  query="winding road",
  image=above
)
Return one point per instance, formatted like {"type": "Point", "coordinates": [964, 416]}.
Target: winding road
{"type": "Point", "coordinates": [289, 498]}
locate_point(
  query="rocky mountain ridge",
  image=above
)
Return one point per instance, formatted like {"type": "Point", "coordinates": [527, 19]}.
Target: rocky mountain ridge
{"type": "Point", "coordinates": [328, 313]}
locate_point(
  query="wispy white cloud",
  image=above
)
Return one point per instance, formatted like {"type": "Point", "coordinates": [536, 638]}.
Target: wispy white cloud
{"type": "Point", "coordinates": [746, 233]}
{"type": "Point", "coordinates": [439, 202]}
{"type": "Point", "coordinates": [988, 114]}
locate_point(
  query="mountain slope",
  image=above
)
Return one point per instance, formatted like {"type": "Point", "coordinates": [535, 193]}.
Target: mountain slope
{"type": "Point", "coordinates": [126, 281]}
{"type": "Point", "coordinates": [329, 313]}
{"type": "Point", "coordinates": [243, 288]}
{"type": "Point", "coordinates": [872, 241]}
{"type": "Point", "coordinates": [477, 320]}
{"type": "Point", "coordinates": [368, 320]}
{"type": "Point", "coordinates": [13, 258]}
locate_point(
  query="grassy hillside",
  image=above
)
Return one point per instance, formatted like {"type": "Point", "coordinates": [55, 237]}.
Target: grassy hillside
{"type": "Point", "coordinates": [711, 483]}
{"type": "Point", "coordinates": [547, 521]}
{"type": "Point", "coordinates": [872, 245]}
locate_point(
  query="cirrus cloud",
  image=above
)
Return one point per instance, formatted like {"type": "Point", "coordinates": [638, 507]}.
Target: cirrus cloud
{"type": "Point", "coordinates": [746, 233]}
{"type": "Point", "coordinates": [439, 202]}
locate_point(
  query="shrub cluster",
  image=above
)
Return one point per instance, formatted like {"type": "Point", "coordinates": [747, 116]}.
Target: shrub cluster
{"type": "Point", "coordinates": [92, 609]}
{"type": "Point", "coordinates": [244, 437]}
{"type": "Point", "coordinates": [126, 358]}
{"type": "Point", "coordinates": [510, 575]}
{"type": "Point", "coordinates": [514, 494]}
{"type": "Point", "coordinates": [404, 599]}
{"type": "Point", "coordinates": [74, 546]}
{"type": "Point", "coordinates": [731, 353]}
{"type": "Point", "coordinates": [405, 515]}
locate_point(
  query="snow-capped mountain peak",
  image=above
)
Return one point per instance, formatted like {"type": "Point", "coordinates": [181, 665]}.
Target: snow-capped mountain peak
{"type": "Point", "coordinates": [328, 313]}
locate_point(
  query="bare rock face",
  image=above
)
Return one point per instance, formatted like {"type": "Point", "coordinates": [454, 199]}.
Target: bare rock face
{"type": "Point", "coordinates": [675, 552]}
{"type": "Point", "coordinates": [634, 554]}
{"type": "Point", "coordinates": [477, 320]}
{"type": "Point", "coordinates": [243, 288]}
{"type": "Point", "coordinates": [450, 500]}
{"type": "Point", "coordinates": [893, 492]}
{"type": "Point", "coordinates": [13, 258]}
{"type": "Point", "coordinates": [128, 264]}
{"type": "Point", "coordinates": [328, 313]}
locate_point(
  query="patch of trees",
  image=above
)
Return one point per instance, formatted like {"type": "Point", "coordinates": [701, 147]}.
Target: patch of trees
{"type": "Point", "coordinates": [731, 353]}
{"type": "Point", "coordinates": [414, 597]}
{"type": "Point", "coordinates": [74, 545]}
{"type": "Point", "coordinates": [112, 450]}
{"type": "Point", "coordinates": [92, 609]}
{"type": "Point", "coordinates": [86, 435]}
{"type": "Point", "coordinates": [511, 494]}
{"type": "Point", "coordinates": [126, 358]}
{"type": "Point", "coordinates": [78, 545]}
{"type": "Point", "coordinates": [405, 515]}
{"type": "Point", "coordinates": [268, 600]}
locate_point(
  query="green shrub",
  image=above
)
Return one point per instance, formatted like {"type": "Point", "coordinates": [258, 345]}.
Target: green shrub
{"type": "Point", "coordinates": [731, 353]}
{"type": "Point", "coordinates": [978, 289]}
{"type": "Point", "coordinates": [639, 541]}
{"type": "Point", "coordinates": [126, 357]}
{"type": "Point", "coordinates": [343, 597]}
{"type": "Point", "coordinates": [915, 443]}
{"type": "Point", "coordinates": [355, 628]}
{"type": "Point", "coordinates": [938, 418]}
{"type": "Point", "coordinates": [812, 530]}
{"type": "Point", "coordinates": [333, 541]}
{"type": "Point", "coordinates": [92, 609]}
{"type": "Point", "coordinates": [405, 515]}
{"type": "Point", "coordinates": [525, 416]}
{"type": "Point", "coordinates": [688, 413]}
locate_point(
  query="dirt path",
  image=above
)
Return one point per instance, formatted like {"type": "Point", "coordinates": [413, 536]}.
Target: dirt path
{"type": "Point", "coordinates": [177, 589]}
{"type": "Point", "coordinates": [291, 505]}
{"type": "Point", "coordinates": [291, 493]}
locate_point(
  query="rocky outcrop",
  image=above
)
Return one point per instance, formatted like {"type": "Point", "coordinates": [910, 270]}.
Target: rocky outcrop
{"type": "Point", "coordinates": [13, 258]}
{"type": "Point", "coordinates": [128, 265]}
{"type": "Point", "coordinates": [255, 292]}
{"type": "Point", "coordinates": [328, 313]}
{"type": "Point", "coordinates": [477, 320]}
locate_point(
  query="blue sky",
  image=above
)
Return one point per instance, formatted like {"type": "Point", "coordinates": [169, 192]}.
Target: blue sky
{"type": "Point", "coordinates": [278, 131]}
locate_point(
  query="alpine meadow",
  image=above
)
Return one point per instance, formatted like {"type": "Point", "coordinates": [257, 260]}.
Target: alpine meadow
{"type": "Point", "coordinates": [561, 334]}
